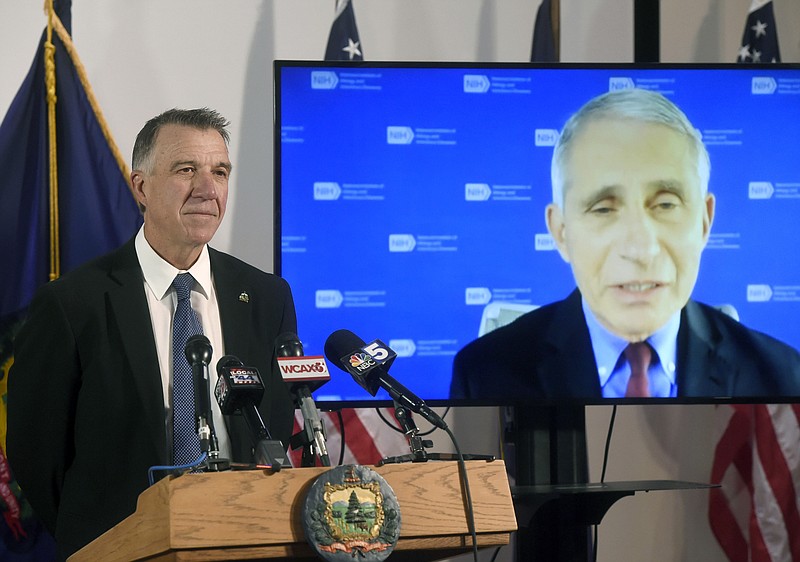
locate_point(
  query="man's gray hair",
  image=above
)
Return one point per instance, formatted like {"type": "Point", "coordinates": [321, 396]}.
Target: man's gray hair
{"type": "Point", "coordinates": [635, 104]}
{"type": "Point", "coordinates": [203, 119]}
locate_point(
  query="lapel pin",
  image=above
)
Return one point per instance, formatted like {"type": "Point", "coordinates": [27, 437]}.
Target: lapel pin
{"type": "Point", "coordinates": [244, 297]}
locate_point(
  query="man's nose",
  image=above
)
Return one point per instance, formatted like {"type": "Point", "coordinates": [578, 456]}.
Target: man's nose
{"type": "Point", "coordinates": [638, 237]}
{"type": "Point", "coordinates": [204, 185]}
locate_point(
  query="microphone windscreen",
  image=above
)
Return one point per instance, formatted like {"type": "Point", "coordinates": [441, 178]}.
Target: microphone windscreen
{"type": "Point", "coordinates": [342, 343]}
{"type": "Point", "coordinates": [288, 345]}
{"type": "Point", "coordinates": [198, 349]}
{"type": "Point", "coordinates": [227, 361]}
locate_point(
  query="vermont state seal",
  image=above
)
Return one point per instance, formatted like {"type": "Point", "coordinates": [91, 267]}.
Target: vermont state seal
{"type": "Point", "coordinates": [350, 513]}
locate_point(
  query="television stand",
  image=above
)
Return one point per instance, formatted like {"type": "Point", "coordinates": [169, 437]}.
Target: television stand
{"type": "Point", "coordinates": [555, 503]}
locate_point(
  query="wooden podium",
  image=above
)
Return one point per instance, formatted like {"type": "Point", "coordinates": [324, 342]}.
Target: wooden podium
{"type": "Point", "coordinates": [255, 515]}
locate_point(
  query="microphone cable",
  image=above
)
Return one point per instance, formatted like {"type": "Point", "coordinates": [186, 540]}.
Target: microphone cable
{"type": "Point", "coordinates": [178, 469]}
{"type": "Point", "coordinates": [462, 468]}
{"type": "Point", "coordinates": [603, 472]}
{"type": "Point", "coordinates": [398, 430]}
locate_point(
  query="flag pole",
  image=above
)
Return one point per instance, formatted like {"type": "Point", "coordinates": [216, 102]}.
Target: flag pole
{"type": "Point", "coordinates": [50, 86]}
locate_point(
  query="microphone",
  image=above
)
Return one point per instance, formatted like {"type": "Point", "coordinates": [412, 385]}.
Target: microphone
{"type": "Point", "coordinates": [304, 375]}
{"type": "Point", "coordinates": [238, 390]}
{"type": "Point", "coordinates": [198, 353]}
{"type": "Point", "coordinates": [368, 365]}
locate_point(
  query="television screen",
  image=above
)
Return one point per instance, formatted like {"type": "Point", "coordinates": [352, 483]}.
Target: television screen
{"type": "Point", "coordinates": [411, 202]}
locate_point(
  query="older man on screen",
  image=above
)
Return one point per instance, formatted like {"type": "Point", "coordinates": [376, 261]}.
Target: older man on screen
{"type": "Point", "coordinates": [631, 214]}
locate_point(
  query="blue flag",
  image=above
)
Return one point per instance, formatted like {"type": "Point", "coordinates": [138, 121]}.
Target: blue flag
{"type": "Point", "coordinates": [760, 38]}
{"type": "Point", "coordinates": [92, 212]}
{"type": "Point", "coordinates": [343, 41]}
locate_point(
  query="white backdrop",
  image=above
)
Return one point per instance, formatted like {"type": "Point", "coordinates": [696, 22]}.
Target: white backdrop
{"type": "Point", "coordinates": [145, 56]}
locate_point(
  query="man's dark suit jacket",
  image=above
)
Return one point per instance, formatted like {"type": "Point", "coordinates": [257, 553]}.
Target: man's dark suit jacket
{"type": "Point", "coordinates": [547, 353]}
{"type": "Point", "coordinates": [85, 402]}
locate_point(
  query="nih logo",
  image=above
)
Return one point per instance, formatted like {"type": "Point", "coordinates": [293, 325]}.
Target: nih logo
{"type": "Point", "coordinates": [477, 295]}
{"type": "Point", "coordinates": [760, 190]}
{"type": "Point", "coordinates": [402, 242]}
{"type": "Point", "coordinates": [476, 84]}
{"type": "Point", "coordinates": [759, 293]}
{"type": "Point", "coordinates": [544, 243]}
{"type": "Point", "coordinates": [328, 298]}
{"type": "Point", "coordinates": [616, 83]}
{"type": "Point", "coordinates": [399, 135]}
{"type": "Point", "coordinates": [326, 191]}
{"type": "Point", "coordinates": [763, 85]}
{"type": "Point", "coordinates": [324, 80]}
{"type": "Point", "coordinates": [403, 348]}
{"type": "Point", "coordinates": [477, 192]}
{"type": "Point", "coordinates": [545, 137]}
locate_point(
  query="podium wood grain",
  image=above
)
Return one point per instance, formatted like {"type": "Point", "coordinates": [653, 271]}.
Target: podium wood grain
{"type": "Point", "coordinates": [254, 515]}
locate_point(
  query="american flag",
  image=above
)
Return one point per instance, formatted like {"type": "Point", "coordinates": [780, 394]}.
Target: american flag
{"type": "Point", "coordinates": [755, 515]}
{"type": "Point", "coordinates": [368, 438]}
{"type": "Point", "coordinates": [760, 38]}
{"type": "Point", "coordinates": [343, 41]}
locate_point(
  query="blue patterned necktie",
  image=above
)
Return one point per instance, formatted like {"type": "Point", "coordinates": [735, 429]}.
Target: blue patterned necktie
{"type": "Point", "coordinates": [185, 442]}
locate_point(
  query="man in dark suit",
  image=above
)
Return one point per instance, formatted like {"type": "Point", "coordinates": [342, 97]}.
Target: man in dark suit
{"type": "Point", "coordinates": [631, 214]}
{"type": "Point", "coordinates": [90, 393]}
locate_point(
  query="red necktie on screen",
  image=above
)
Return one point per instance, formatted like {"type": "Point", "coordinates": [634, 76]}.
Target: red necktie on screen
{"type": "Point", "coordinates": [638, 356]}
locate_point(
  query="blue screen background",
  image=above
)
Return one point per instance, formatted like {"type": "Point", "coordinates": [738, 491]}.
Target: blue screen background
{"type": "Point", "coordinates": [411, 197]}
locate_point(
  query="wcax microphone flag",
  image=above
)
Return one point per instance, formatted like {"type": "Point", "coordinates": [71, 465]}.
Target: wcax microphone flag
{"type": "Point", "coordinates": [311, 370]}
{"type": "Point", "coordinates": [304, 375]}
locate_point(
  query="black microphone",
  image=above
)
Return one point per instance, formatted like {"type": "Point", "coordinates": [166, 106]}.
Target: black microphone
{"type": "Point", "coordinates": [238, 390]}
{"type": "Point", "coordinates": [304, 375]}
{"type": "Point", "coordinates": [368, 365]}
{"type": "Point", "coordinates": [198, 353]}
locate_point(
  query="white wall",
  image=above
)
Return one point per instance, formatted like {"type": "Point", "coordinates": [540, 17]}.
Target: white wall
{"type": "Point", "coordinates": [145, 56]}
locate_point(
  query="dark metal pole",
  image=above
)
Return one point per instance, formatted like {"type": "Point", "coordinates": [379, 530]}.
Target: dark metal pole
{"type": "Point", "coordinates": [646, 31]}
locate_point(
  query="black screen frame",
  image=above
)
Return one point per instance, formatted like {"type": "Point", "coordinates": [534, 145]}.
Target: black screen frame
{"type": "Point", "coordinates": [569, 402]}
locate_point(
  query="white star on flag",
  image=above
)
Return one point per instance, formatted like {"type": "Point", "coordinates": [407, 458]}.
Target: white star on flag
{"type": "Point", "coordinates": [352, 48]}
{"type": "Point", "coordinates": [760, 28]}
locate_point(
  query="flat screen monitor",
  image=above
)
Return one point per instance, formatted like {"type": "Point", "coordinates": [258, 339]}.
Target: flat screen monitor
{"type": "Point", "coordinates": [410, 201]}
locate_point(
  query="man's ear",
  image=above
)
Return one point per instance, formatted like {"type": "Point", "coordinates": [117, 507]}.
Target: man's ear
{"type": "Point", "coordinates": [708, 215]}
{"type": "Point", "coordinates": [137, 184]}
{"type": "Point", "coordinates": [555, 225]}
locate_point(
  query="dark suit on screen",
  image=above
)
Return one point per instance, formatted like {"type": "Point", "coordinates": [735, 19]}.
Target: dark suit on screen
{"type": "Point", "coordinates": [86, 369]}
{"type": "Point", "coordinates": [547, 353]}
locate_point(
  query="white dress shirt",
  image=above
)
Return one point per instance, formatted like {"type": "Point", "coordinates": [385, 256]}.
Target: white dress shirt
{"type": "Point", "coordinates": [162, 300]}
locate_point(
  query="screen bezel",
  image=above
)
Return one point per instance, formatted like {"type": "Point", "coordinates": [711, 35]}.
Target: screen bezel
{"type": "Point", "coordinates": [278, 65]}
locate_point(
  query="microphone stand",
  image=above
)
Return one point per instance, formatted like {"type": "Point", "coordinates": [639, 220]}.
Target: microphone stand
{"type": "Point", "coordinates": [308, 438]}
{"type": "Point", "coordinates": [418, 445]}
{"type": "Point", "coordinates": [215, 462]}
